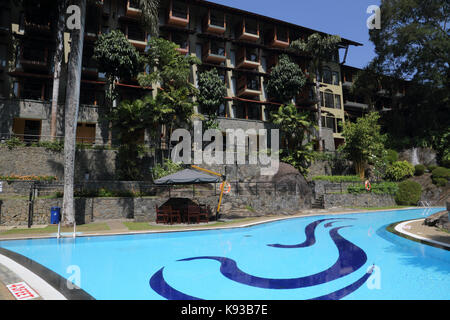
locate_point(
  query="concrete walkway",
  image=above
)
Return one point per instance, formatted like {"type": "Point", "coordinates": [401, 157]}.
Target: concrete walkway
{"type": "Point", "coordinates": [418, 230]}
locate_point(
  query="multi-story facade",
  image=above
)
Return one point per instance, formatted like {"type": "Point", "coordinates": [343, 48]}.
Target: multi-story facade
{"type": "Point", "coordinates": [243, 46]}
{"type": "Point", "coordinates": [384, 99]}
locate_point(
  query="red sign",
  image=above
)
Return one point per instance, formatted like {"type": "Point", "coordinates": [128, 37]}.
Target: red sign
{"type": "Point", "coordinates": [22, 291]}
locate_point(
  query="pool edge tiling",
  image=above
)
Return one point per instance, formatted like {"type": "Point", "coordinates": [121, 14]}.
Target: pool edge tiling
{"type": "Point", "coordinates": [298, 258]}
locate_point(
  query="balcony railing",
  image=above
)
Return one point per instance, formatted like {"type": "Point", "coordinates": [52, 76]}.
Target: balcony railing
{"type": "Point", "coordinates": [280, 38]}
{"type": "Point", "coordinates": [249, 86]}
{"type": "Point", "coordinates": [248, 58]}
{"type": "Point", "coordinates": [178, 14]}
{"type": "Point", "coordinates": [214, 52]}
{"type": "Point", "coordinates": [215, 22]}
{"type": "Point", "coordinates": [249, 31]}
{"type": "Point", "coordinates": [133, 10]}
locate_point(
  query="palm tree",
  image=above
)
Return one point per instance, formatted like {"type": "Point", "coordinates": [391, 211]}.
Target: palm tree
{"type": "Point", "coordinates": [57, 64]}
{"type": "Point", "coordinates": [149, 17]}
{"type": "Point", "coordinates": [71, 113]}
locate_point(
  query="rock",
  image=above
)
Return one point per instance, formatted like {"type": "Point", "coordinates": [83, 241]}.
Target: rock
{"type": "Point", "coordinates": [439, 220]}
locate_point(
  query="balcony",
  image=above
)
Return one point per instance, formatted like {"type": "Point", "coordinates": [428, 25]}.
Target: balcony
{"type": "Point", "coordinates": [214, 52]}
{"type": "Point", "coordinates": [355, 105]}
{"type": "Point", "coordinates": [182, 42]}
{"type": "Point", "coordinates": [248, 58]}
{"type": "Point", "coordinates": [178, 14]}
{"type": "Point", "coordinates": [37, 23]}
{"type": "Point", "coordinates": [34, 58]}
{"type": "Point", "coordinates": [133, 10]}
{"type": "Point", "coordinates": [135, 35]}
{"type": "Point", "coordinates": [249, 86]}
{"type": "Point", "coordinates": [249, 30]}
{"type": "Point", "coordinates": [279, 38]}
{"type": "Point", "coordinates": [215, 22]}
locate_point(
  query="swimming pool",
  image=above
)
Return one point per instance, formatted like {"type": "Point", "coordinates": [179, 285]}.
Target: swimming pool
{"type": "Point", "coordinates": [348, 256]}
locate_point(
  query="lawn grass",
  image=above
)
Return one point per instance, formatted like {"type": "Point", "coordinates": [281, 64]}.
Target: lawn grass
{"type": "Point", "coordinates": [145, 226]}
{"type": "Point", "coordinates": [379, 208]}
{"type": "Point", "coordinates": [54, 229]}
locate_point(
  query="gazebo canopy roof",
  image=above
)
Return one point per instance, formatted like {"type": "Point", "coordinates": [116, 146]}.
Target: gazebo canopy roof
{"type": "Point", "coordinates": [188, 176]}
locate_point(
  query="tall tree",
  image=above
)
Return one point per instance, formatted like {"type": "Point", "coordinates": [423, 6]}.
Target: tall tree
{"type": "Point", "coordinates": [212, 93]}
{"type": "Point", "coordinates": [117, 58]}
{"type": "Point", "coordinates": [414, 44]}
{"type": "Point", "coordinates": [320, 49]}
{"type": "Point", "coordinates": [285, 80]}
{"type": "Point", "coordinates": [295, 127]}
{"type": "Point", "coordinates": [171, 71]}
{"type": "Point", "coordinates": [71, 112]}
{"type": "Point", "coordinates": [363, 142]}
{"type": "Point", "coordinates": [57, 61]}
{"type": "Point", "coordinates": [150, 15]}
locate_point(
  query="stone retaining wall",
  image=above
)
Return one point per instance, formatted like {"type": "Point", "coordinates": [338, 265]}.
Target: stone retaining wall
{"type": "Point", "coordinates": [357, 200]}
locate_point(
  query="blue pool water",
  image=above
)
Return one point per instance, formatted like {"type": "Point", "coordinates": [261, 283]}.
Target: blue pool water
{"type": "Point", "coordinates": [324, 257]}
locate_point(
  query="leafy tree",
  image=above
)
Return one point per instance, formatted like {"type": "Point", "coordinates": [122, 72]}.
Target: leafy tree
{"type": "Point", "coordinates": [320, 49]}
{"type": "Point", "coordinates": [171, 71]}
{"type": "Point", "coordinates": [131, 118]}
{"type": "Point", "coordinates": [363, 141]}
{"type": "Point", "coordinates": [285, 80]}
{"type": "Point", "coordinates": [212, 93]}
{"type": "Point", "coordinates": [414, 44]}
{"type": "Point", "coordinates": [294, 126]}
{"type": "Point", "coordinates": [399, 171]}
{"type": "Point", "coordinates": [150, 14]}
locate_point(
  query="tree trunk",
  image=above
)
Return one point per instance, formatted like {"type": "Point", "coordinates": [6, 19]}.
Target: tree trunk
{"type": "Point", "coordinates": [359, 168]}
{"type": "Point", "coordinates": [57, 65]}
{"type": "Point", "coordinates": [319, 111]}
{"type": "Point", "coordinates": [71, 114]}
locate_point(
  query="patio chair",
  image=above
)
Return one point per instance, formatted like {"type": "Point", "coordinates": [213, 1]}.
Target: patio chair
{"type": "Point", "coordinates": [162, 215]}
{"type": "Point", "coordinates": [193, 212]}
{"type": "Point", "coordinates": [174, 214]}
{"type": "Point", "coordinates": [205, 211]}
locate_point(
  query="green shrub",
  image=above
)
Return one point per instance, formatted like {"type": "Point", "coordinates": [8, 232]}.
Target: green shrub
{"type": "Point", "coordinates": [409, 193]}
{"type": "Point", "coordinates": [399, 171]}
{"type": "Point", "coordinates": [391, 156]}
{"type": "Point", "coordinates": [439, 175]}
{"type": "Point", "coordinates": [337, 179]}
{"type": "Point", "coordinates": [440, 182]}
{"type": "Point", "coordinates": [390, 188]}
{"type": "Point", "coordinates": [14, 142]}
{"type": "Point", "coordinates": [419, 170]}
{"type": "Point", "coordinates": [431, 167]}
{"type": "Point", "coordinates": [168, 168]}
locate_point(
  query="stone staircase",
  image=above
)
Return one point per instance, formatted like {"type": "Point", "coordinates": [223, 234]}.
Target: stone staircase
{"type": "Point", "coordinates": [318, 203]}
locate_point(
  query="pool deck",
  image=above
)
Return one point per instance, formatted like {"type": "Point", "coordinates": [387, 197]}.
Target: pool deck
{"type": "Point", "coordinates": [412, 229]}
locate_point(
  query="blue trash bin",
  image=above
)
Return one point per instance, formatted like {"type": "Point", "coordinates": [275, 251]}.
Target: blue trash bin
{"type": "Point", "coordinates": [55, 215]}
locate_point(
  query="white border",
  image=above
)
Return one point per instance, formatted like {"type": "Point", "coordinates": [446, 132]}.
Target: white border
{"type": "Point", "coordinates": [46, 291]}
{"type": "Point", "coordinates": [400, 228]}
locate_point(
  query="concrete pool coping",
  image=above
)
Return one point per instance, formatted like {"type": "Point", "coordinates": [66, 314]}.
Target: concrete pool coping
{"type": "Point", "coordinates": [399, 229]}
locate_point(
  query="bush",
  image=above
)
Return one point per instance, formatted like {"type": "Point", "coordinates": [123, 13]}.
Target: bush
{"type": "Point", "coordinates": [409, 193]}
{"type": "Point", "coordinates": [439, 175]}
{"type": "Point", "coordinates": [390, 188]}
{"type": "Point", "coordinates": [419, 170]}
{"type": "Point", "coordinates": [431, 167]}
{"type": "Point", "coordinates": [399, 171]}
{"type": "Point", "coordinates": [337, 179]}
{"type": "Point", "coordinates": [14, 142]}
{"type": "Point", "coordinates": [440, 182]}
{"type": "Point", "coordinates": [391, 156]}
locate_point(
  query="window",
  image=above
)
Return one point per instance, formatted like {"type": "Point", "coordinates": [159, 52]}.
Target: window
{"type": "Point", "coordinates": [329, 100]}
{"type": "Point", "coordinates": [337, 101]}
{"type": "Point", "coordinates": [254, 111]}
{"type": "Point", "coordinates": [340, 125]}
{"type": "Point", "coordinates": [335, 78]}
{"type": "Point", "coordinates": [222, 112]}
{"type": "Point", "coordinates": [198, 51]}
{"type": "Point", "coordinates": [326, 76]}
{"type": "Point", "coordinates": [239, 111]}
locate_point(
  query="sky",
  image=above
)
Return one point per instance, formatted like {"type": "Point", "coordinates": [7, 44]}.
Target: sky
{"type": "Point", "coordinates": [346, 18]}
